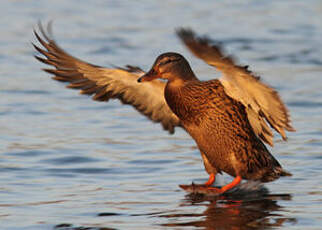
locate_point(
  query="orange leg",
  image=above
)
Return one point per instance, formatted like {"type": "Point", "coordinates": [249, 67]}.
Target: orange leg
{"type": "Point", "coordinates": [211, 180]}
{"type": "Point", "coordinates": [223, 189]}
{"type": "Point", "coordinates": [206, 187]}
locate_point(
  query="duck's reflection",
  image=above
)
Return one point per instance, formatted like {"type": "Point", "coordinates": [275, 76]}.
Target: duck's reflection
{"type": "Point", "coordinates": [234, 211]}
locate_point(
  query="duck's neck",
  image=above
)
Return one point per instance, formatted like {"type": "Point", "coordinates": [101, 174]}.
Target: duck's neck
{"type": "Point", "coordinates": [175, 96]}
{"type": "Point", "coordinates": [172, 95]}
{"type": "Point", "coordinates": [186, 74]}
{"type": "Point", "coordinates": [180, 78]}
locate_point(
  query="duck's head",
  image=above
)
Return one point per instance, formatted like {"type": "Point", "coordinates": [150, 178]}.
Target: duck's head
{"type": "Point", "coordinates": [169, 66]}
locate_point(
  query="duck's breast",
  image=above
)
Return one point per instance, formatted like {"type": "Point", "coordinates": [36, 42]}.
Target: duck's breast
{"type": "Point", "coordinates": [217, 123]}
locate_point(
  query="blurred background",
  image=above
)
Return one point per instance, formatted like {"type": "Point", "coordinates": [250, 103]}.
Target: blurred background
{"type": "Point", "coordinates": [67, 162]}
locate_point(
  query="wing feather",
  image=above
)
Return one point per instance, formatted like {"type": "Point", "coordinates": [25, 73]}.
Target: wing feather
{"type": "Point", "coordinates": [106, 83]}
{"type": "Point", "coordinates": [263, 104]}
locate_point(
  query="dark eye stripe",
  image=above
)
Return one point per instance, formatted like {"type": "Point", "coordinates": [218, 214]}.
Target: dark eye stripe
{"type": "Point", "coordinates": [168, 60]}
{"type": "Point", "coordinates": [165, 62]}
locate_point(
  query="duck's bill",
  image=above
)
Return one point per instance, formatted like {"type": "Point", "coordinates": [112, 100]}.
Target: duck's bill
{"type": "Point", "coordinates": [149, 76]}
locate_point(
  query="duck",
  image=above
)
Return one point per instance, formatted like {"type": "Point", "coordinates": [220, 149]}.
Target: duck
{"type": "Point", "coordinates": [230, 118]}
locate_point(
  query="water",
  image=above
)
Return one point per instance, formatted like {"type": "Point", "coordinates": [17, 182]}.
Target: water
{"type": "Point", "coordinates": [68, 162]}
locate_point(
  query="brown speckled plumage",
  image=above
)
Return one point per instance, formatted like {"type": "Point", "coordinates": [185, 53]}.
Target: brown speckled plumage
{"type": "Point", "coordinates": [228, 118]}
{"type": "Point", "coordinates": [220, 127]}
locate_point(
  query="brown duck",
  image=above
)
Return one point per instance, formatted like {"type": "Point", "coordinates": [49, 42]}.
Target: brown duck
{"type": "Point", "coordinates": [228, 118]}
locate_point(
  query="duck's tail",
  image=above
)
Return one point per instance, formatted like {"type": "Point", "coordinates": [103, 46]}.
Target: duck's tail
{"type": "Point", "coordinates": [274, 174]}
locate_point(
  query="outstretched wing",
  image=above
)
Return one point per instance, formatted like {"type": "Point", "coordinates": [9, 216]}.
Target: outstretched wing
{"type": "Point", "coordinates": [262, 103]}
{"type": "Point", "coordinates": [107, 83]}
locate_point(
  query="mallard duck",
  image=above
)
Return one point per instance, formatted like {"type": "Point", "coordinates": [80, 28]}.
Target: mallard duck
{"type": "Point", "coordinates": [227, 117]}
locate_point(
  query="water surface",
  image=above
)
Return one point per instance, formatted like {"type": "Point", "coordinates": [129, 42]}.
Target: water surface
{"type": "Point", "coordinates": [68, 162]}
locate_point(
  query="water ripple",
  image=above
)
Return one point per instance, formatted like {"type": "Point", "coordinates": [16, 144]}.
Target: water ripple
{"type": "Point", "coordinates": [68, 162]}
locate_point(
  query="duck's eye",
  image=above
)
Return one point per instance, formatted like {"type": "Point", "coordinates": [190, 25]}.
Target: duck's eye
{"type": "Point", "coordinates": [168, 61]}
{"type": "Point", "coordinates": [165, 62]}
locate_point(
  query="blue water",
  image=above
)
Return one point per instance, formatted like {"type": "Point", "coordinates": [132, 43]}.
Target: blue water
{"type": "Point", "coordinates": [67, 162]}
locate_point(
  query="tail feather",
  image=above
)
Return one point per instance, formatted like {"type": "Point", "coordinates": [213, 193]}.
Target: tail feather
{"type": "Point", "coordinates": [285, 173]}
{"type": "Point", "coordinates": [275, 174]}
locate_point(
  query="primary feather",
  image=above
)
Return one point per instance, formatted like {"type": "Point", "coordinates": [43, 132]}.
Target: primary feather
{"type": "Point", "coordinates": [262, 103]}
{"type": "Point", "coordinates": [106, 83]}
